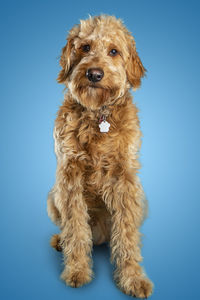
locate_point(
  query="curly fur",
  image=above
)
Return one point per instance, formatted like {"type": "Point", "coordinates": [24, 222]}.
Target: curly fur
{"type": "Point", "coordinates": [97, 196]}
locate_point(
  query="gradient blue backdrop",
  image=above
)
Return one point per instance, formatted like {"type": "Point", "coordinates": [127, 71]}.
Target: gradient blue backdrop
{"type": "Point", "coordinates": [167, 37]}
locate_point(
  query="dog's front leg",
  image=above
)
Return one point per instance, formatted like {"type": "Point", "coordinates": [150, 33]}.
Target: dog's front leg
{"type": "Point", "coordinates": [76, 236]}
{"type": "Point", "coordinates": [123, 198]}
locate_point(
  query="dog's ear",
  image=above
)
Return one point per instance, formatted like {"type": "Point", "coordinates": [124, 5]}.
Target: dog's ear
{"type": "Point", "coordinates": [135, 68]}
{"type": "Point", "coordinates": [65, 61]}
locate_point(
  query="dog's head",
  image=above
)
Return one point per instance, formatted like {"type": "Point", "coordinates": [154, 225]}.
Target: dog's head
{"type": "Point", "coordinates": [100, 62]}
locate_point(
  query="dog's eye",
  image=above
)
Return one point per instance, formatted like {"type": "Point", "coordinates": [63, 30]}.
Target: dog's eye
{"type": "Point", "coordinates": [86, 48]}
{"type": "Point", "coordinates": [113, 52]}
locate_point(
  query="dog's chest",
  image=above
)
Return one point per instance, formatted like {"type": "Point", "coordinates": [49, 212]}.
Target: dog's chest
{"type": "Point", "coordinates": [90, 134]}
{"type": "Point", "coordinates": [97, 145]}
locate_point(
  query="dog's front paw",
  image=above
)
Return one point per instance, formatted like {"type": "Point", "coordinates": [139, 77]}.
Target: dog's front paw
{"type": "Point", "coordinates": [76, 278]}
{"type": "Point", "coordinates": [132, 281]}
{"type": "Point", "coordinates": [140, 287]}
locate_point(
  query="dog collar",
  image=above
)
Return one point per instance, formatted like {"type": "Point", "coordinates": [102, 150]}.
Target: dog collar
{"type": "Point", "coordinates": [103, 124]}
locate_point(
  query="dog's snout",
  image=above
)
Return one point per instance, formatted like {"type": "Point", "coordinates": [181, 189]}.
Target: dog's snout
{"type": "Point", "coordinates": [94, 74]}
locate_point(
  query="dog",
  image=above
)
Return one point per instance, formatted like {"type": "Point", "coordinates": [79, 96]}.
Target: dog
{"type": "Point", "coordinates": [97, 196]}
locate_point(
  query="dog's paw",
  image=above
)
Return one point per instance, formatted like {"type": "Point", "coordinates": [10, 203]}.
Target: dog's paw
{"type": "Point", "coordinates": [77, 278]}
{"type": "Point", "coordinates": [55, 242]}
{"type": "Point", "coordinates": [140, 287]}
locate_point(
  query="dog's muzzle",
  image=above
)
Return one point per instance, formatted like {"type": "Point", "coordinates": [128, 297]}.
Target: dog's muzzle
{"type": "Point", "coordinates": [94, 74]}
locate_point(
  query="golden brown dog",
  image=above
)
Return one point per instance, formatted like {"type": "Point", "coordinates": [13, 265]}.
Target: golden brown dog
{"type": "Point", "coordinates": [97, 196]}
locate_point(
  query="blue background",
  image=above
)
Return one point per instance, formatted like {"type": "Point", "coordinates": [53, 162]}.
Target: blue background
{"type": "Point", "coordinates": [167, 38]}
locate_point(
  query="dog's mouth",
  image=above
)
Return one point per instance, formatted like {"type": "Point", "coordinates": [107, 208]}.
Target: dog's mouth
{"type": "Point", "coordinates": [95, 86]}
{"type": "Point", "coordinates": [91, 86]}
{"type": "Point", "coordinates": [104, 90]}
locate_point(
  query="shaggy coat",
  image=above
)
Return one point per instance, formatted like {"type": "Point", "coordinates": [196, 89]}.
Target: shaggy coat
{"type": "Point", "coordinates": [97, 196]}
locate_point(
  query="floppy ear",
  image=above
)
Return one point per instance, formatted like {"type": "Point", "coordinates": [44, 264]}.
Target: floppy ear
{"type": "Point", "coordinates": [65, 61]}
{"type": "Point", "coordinates": [135, 68]}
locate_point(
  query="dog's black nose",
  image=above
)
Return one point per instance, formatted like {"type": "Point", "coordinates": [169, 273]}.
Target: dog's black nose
{"type": "Point", "coordinates": [94, 74]}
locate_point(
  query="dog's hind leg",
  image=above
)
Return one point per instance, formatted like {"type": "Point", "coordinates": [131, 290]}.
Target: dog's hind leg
{"type": "Point", "coordinates": [55, 242]}
{"type": "Point", "coordinates": [55, 216]}
{"type": "Point", "coordinates": [52, 210]}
